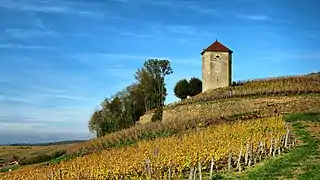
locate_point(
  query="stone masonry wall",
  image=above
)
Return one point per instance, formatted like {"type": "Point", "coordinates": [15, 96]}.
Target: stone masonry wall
{"type": "Point", "coordinates": [216, 72]}
{"type": "Point", "coordinates": [237, 106]}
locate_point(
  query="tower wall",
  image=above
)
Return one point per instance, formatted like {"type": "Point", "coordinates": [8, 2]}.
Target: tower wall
{"type": "Point", "coordinates": [216, 70]}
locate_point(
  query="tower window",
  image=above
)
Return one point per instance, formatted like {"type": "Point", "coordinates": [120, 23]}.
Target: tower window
{"type": "Point", "coordinates": [217, 56]}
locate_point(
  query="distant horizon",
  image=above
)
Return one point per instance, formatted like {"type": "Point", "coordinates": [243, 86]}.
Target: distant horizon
{"type": "Point", "coordinates": [61, 59]}
{"type": "Point", "coordinates": [44, 143]}
{"type": "Point", "coordinates": [61, 137]}
{"type": "Point", "coordinates": [35, 139]}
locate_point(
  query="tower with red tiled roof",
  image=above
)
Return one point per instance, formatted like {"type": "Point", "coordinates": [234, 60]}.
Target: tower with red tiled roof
{"type": "Point", "coordinates": [216, 66]}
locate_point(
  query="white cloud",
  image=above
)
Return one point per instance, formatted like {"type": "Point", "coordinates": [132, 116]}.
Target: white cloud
{"type": "Point", "coordinates": [107, 57]}
{"type": "Point", "coordinates": [29, 33]}
{"type": "Point", "coordinates": [137, 35]}
{"type": "Point", "coordinates": [57, 6]}
{"type": "Point", "coordinates": [285, 57]}
{"type": "Point", "coordinates": [73, 119]}
{"type": "Point", "coordinates": [19, 46]}
{"type": "Point", "coordinates": [260, 18]}
{"type": "Point", "coordinates": [48, 90]}
{"type": "Point", "coordinates": [203, 10]}
{"type": "Point", "coordinates": [4, 98]}
{"type": "Point", "coordinates": [254, 17]}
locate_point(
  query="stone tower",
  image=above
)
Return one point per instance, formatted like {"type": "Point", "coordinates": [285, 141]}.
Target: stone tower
{"type": "Point", "coordinates": [216, 66]}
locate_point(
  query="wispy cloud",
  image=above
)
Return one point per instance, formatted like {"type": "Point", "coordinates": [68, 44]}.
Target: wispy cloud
{"type": "Point", "coordinates": [29, 33]}
{"type": "Point", "coordinates": [6, 99]}
{"type": "Point", "coordinates": [64, 96]}
{"type": "Point", "coordinates": [260, 18]}
{"type": "Point", "coordinates": [178, 32]}
{"type": "Point", "coordinates": [285, 57]}
{"type": "Point", "coordinates": [183, 5]}
{"type": "Point", "coordinates": [58, 6]}
{"type": "Point", "coordinates": [105, 57]}
{"type": "Point", "coordinates": [39, 30]}
{"type": "Point", "coordinates": [41, 106]}
{"type": "Point", "coordinates": [42, 98]}
{"type": "Point", "coordinates": [188, 31]}
{"type": "Point", "coordinates": [48, 89]}
{"type": "Point", "coordinates": [19, 46]}
{"type": "Point", "coordinates": [203, 9]}
{"type": "Point", "coordinates": [20, 119]}
{"type": "Point", "coordinates": [138, 35]}
{"type": "Point", "coordinates": [255, 17]}
{"type": "Point", "coordinates": [194, 6]}
{"type": "Point", "coordinates": [51, 120]}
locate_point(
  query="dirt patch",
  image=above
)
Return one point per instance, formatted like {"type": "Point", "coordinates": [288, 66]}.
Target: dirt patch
{"type": "Point", "coordinates": [277, 100]}
{"type": "Point", "coordinates": [298, 171]}
{"type": "Point", "coordinates": [314, 128]}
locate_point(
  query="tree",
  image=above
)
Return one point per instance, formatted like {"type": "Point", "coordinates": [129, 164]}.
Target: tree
{"type": "Point", "coordinates": [181, 90]}
{"type": "Point", "coordinates": [104, 119]}
{"type": "Point", "coordinates": [137, 106]}
{"type": "Point", "coordinates": [151, 79]}
{"type": "Point", "coordinates": [146, 85]}
{"type": "Point", "coordinates": [95, 123]}
{"type": "Point", "coordinates": [125, 108]}
{"type": "Point", "coordinates": [195, 86]}
{"type": "Point", "coordinates": [132, 105]}
{"type": "Point", "coordinates": [120, 111]}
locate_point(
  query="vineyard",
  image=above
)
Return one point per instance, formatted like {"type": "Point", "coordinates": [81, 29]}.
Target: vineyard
{"type": "Point", "coordinates": [162, 148]}
{"type": "Point", "coordinates": [229, 145]}
{"type": "Point", "coordinates": [205, 115]}
{"type": "Point", "coordinates": [263, 87]}
{"type": "Point", "coordinates": [212, 107]}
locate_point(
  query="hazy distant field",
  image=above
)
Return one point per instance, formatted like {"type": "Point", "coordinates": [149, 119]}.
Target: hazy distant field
{"type": "Point", "coordinates": [7, 152]}
{"type": "Point", "coordinates": [31, 150]}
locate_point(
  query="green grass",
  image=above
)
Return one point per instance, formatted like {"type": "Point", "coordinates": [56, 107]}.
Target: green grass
{"type": "Point", "coordinates": [306, 116]}
{"type": "Point", "coordinates": [6, 169]}
{"type": "Point", "coordinates": [301, 163]}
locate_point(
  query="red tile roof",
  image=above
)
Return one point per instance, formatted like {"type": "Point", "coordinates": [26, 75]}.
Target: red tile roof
{"type": "Point", "coordinates": [217, 46]}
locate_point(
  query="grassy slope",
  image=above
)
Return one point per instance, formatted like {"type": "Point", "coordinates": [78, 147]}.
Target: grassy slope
{"type": "Point", "coordinates": [303, 162]}
{"type": "Point", "coordinates": [6, 152]}
{"type": "Point", "coordinates": [269, 87]}
{"type": "Point", "coordinates": [26, 152]}
{"type": "Point", "coordinates": [49, 143]}
{"type": "Point", "coordinates": [150, 131]}
{"type": "Point", "coordinates": [260, 87]}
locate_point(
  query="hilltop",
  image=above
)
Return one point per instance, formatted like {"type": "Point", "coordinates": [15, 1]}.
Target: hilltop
{"type": "Point", "coordinates": [45, 143]}
{"type": "Point", "coordinates": [254, 99]}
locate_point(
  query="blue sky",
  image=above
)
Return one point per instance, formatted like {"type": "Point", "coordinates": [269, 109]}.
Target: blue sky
{"type": "Point", "coordinates": [60, 58]}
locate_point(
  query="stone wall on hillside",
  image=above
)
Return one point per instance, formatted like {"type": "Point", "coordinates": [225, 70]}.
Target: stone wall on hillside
{"type": "Point", "coordinates": [237, 106]}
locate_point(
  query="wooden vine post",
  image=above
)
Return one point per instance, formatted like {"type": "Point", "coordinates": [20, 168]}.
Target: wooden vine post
{"type": "Point", "coordinates": [229, 160]}
{"type": "Point", "coordinates": [211, 167]}
{"type": "Point", "coordinates": [275, 147]}
{"type": "Point", "coordinates": [191, 173]}
{"type": "Point", "coordinates": [199, 167]}
{"type": "Point", "coordinates": [194, 173]}
{"type": "Point", "coordinates": [246, 155]}
{"type": "Point", "coordinates": [239, 159]}
{"type": "Point", "coordinates": [271, 146]}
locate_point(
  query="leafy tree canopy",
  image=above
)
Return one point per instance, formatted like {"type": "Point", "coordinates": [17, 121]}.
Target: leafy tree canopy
{"type": "Point", "coordinates": [181, 90]}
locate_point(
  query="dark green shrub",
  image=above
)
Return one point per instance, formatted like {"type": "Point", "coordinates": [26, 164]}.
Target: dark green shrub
{"type": "Point", "coordinates": [181, 90]}
{"type": "Point", "coordinates": [42, 157]}
{"type": "Point", "coordinates": [195, 86]}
